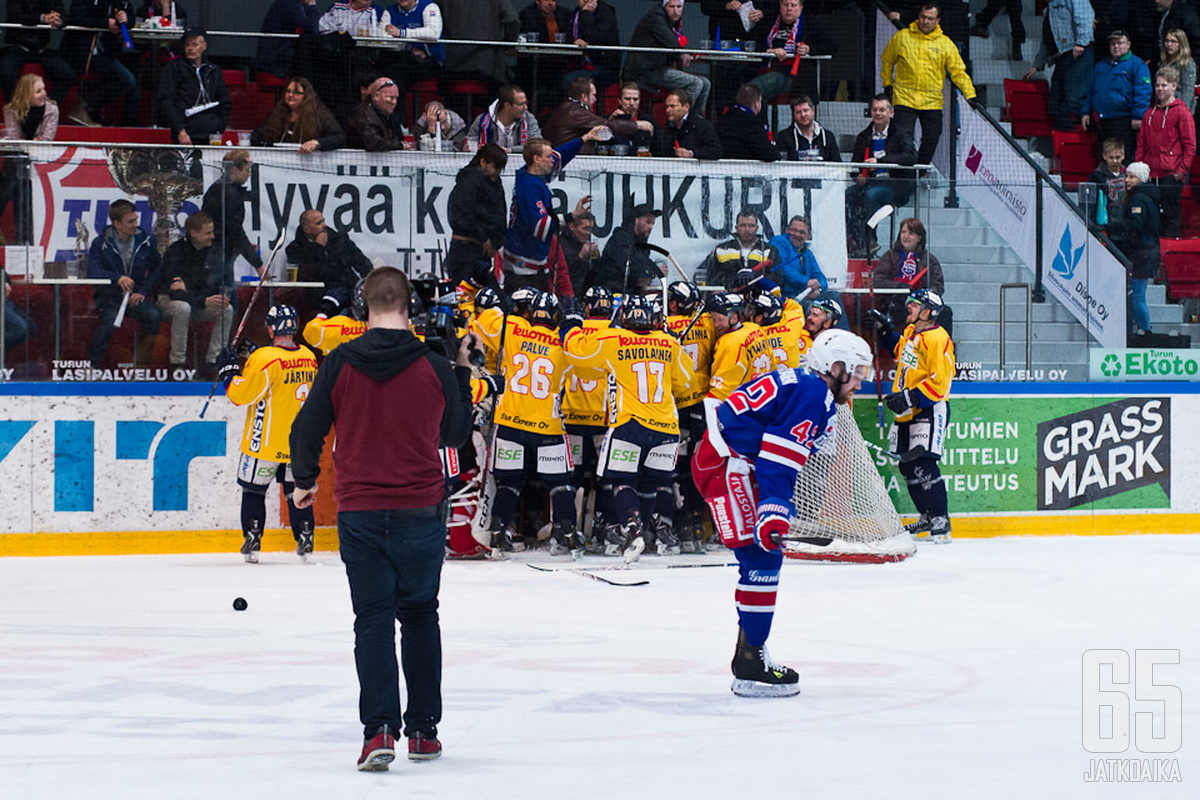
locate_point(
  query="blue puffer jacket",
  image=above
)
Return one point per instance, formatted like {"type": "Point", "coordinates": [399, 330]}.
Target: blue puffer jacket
{"type": "Point", "coordinates": [792, 270]}
{"type": "Point", "coordinates": [1120, 88]}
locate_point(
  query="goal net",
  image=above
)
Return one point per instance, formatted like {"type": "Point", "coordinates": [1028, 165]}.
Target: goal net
{"type": "Point", "coordinates": [843, 512]}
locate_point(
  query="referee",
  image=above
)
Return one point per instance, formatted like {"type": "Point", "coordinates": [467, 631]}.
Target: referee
{"type": "Point", "coordinates": [390, 495]}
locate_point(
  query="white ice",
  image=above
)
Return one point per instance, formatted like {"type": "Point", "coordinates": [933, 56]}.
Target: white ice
{"type": "Point", "coordinates": [957, 674]}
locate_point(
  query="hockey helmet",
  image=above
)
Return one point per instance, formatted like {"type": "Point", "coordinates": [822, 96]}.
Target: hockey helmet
{"type": "Point", "coordinates": [358, 301]}
{"type": "Point", "coordinates": [727, 303]}
{"type": "Point", "coordinates": [283, 320]}
{"type": "Point", "coordinates": [831, 307]}
{"type": "Point", "coordinates": [836, 345]}
{"type": "Point", "coordinates": [927, 298]}
{"type": "Point", "coordinates": [522, 300]}
{"type": "Point", "coordinates": [768, 307]}
{"type": "Point", "coordinates": [597, 301]}
{"type": "Point", "coordinates": [544, 310]}
{"type": "Point", "coordinates": [487, 298]}
{"type": "Point", "coordinates": [685, 295]}
{"type": "Point", "coordinates": [638, 313]}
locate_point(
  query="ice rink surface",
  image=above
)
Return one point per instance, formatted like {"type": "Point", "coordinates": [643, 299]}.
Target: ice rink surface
{"type": "Point", "coordinates": [956, 674]}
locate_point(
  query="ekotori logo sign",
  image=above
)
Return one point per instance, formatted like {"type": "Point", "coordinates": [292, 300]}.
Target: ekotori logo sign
{"type": "Point", "coordinates": [1144, 364]}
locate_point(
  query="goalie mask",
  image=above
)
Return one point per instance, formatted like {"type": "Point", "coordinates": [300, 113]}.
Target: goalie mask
{"type": "Point", "coordinates": [283, 320]}
{"type": "Point", "coordinates": [638, 313]}
{"type": "Point", "coordinates": [597, 302]}
{"type": "Point", "coordinates": [544, 310]}
{"type": "Point", "coordinates": [685, 295]}
{"type": "Point", "coordinates": [836, 345]}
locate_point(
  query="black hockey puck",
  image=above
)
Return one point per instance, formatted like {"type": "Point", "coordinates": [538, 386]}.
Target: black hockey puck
{"type": "Point", "coordinates": [239, 604]}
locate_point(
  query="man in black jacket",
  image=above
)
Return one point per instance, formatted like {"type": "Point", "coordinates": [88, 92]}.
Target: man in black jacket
{"type": "Point", "coordinates": [881, 142]}
{"type": "Point", "coordinates": [225, 204]}
{"type": "Point", "coordinates": [326, 255]}
{"type": "Point", "coordinates": [192, 93]}
{"type": "Point", "coordinates": [544, 19]}
{"type": "Point", "coordinates": [102, 55]}
{"type": "Point", "coordinates": [33, 46]}
{"type": "Point", "coordinates": [725, 24]}
{"type": "Point", "coordinates": [624, 248]}
{"type": "Point", "coordinates": [662, 27]}
{"type": "Point", "coordinates": [477, 212]}
{"type": "Point", "coordinates": [628, 108]}
{"type": "Point", "coordinates": [742, 131]}
{"type": "Point", "coordinates": [594, 22]}
{"type": "Point", "coordinates": [686, 135]}
{"type": "Point", "coordinates": [371, 125]}
{"type": "Point", "coordinates": [392, 506]}
{"type": "Point", "coordinates": [805, 139]}
{"type": "Point", "coordinates": [194, 283]}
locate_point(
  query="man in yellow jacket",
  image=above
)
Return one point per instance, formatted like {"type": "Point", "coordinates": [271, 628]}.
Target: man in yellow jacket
{"type": "Point", "coordinates": [912, 67]}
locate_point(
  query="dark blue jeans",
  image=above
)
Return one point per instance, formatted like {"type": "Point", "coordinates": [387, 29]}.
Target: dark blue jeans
{"type": "Point", "coordinates": [394, 564]}
{"type": "Point", "coordinates": [1069, 86]}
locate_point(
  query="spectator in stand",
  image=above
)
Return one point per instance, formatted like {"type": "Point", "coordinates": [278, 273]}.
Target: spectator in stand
{"type": "Point", "coordinates": [993, 8]}
{"type": "Point", "coordinates": [300, 118]}
{"type": "Point", "coordinates": [914, 65]}
{"type": "Point", "coordinates": [128, 258]}
{"type": "Point", "coordinates": [192, 93]}
{"type": "Point", "coordinates": [507, 121]}
{"type": "Point", "coordinates": [579, 250]}
{"type": "Point", "coordinates": [1108, 184]}
{"type": "Point", "coordinates": [881, 142]}
{"type": "Point", "coordinates": [355, 17]}
{"type": "Point", "coordinates": [479, 21]}
{"type": "Point", "coordinates": [418, 22]}
{"type": "Point", "coordinates": [370, 126]}
{"type": "Point", "coordinates": [284, 16]}
{"type": "Point", "coordinates": [17, 328]}
{"type": "Point", "coordinates": [545, 20]}
{"type": "Point", "coordinates": [792, 36]}
{"type": "Point", "coordinates": [435, 116]}
{"type": "Point", "coordinates": [1119, 94]}
{"type": "Point", "coordinates": [725, 24]}
{"type": "Point", "coordinates": [907, 265]}
{"type": "Point", "coordinates": [662, 26]}
{"type": "Point", "coordinates": [594, 22]}
{"type": "Point", "coordinates": [686, 135]}
{"type": "Point", "coordinates": [805, 139]}
{"type": "Point", "coordinates": [792, 264]}
{"type": "Point", "coordinates": [628, 108]}
{"type": "Point", "coordinates": [1139, 240]}
{"type": "Point", "coordinates": [1167, 144]}
{"type": "Point", "coordinates": [225, 203]}
{"type": "Point", "coordinates": [477, 212]}
{"type": "Point", "coordinates": [326, 255]}
{"type": "Point", "coordinates": [746, 250]}
{"type": "Point", "coordinates": [576, 116]}
{"type": "Point", "coordinates": [625, 254]}
{"type": "Point", "coordinates": [194, 283]}
{"type": "Point", "coordinates": [741, 128]}
{"type": "Point", "coordinates": [30, 114]}
{"type": "Point", "coordinates": [1176, 15]}
{"type": "Point", "coordinates": [1066, 46]}
{"type": "Point", "coordinates": [33, 46]}
{"type": "Point", "coordinates": [101, 55]}
{"type": "Point", "coordinates": [339, 26]}
{"type": "Point", "coordinates": [1177, 53]}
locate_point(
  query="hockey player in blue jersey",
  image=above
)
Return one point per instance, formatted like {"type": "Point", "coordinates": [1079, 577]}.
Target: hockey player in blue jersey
{"type": "Point", "coordinates": [746, 465]}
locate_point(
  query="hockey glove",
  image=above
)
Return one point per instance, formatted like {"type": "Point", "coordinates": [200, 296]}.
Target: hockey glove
{"type": "Point", "coordinates": [571, 319]}
{"type": "Point", "coordinates": [481, 271]}
{"type": "Point", "coordinates": [495, 385]}
{"type": "Point", "coordinates": [882, 321]}
{"type": "Point", "coordinates": [227, 365]}
{"type": "Point", "coordinates": [245, 347]}
{"type": "Point", "coordinates": [744, 278]}
{"type": "Point", "coordinates": [333, 302]}
{"type": "Point", "coordinates": [901, 401]}
{"type": "Point", "coordinates": [769, 532]}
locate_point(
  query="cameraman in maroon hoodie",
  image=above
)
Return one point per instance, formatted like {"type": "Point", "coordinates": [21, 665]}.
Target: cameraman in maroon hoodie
{"type": "Point", "coordinates": [394, 402]}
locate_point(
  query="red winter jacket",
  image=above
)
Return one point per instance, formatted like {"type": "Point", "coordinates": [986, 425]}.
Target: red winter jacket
{"type": "Point", "coordinates": [1167, 140]}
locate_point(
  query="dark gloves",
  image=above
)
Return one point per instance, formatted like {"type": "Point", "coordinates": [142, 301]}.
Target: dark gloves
{"type": "Point", "coordinates": [333, 302]}
{"type": "Point", "coordinates": [495, 384]}
{"type": "Point", "coordinates": [977, 104]}
{"type": "Point", "coordinates": [572, 318]}
{"type": "Point", "coordinates": [227, 365]}
{"type": "Point", "coordinates": [481, 273]}
{"type": "Point", "coordinates": [245, 347]}
{"type": "Point", "coordinates": [881, 321]}
{"type": "Point", "coordinates": [901, 401]}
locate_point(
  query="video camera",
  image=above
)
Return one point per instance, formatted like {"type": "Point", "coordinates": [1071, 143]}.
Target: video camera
{"type": "Point", "coordinates": [433, 315]}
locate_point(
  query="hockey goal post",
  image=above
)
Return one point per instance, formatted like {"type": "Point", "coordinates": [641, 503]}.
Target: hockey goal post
{"type": "Point", "coordinates": [843, 511]}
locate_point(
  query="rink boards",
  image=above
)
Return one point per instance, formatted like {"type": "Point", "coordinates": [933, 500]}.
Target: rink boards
{"type": "Point", "coordinates": [125, 468]}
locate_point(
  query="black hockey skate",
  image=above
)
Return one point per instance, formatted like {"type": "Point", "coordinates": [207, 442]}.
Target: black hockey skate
{"type": "Point", "coordinates": [665, 538]}
{"type": "Point", "coordinates": [565, 539]}
{"type": "Point", "coordinates": [304, 543]}
{"type": "Point", "coordinates": [920, 526]}
{"type": "Point", "coordinates": [632, 541]}
{"type": "Point", "coordinates": [754, 674]}
{"type": "Point", "coordinates": [251, 545]}
{"type": "Point", "coordinates": [505, 541]}
{"type": "Point", "coordinates": [939, 530]}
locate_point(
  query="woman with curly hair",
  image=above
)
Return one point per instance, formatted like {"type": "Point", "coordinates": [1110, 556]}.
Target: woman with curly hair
{"type": "Point", "coordinates": [300, 118]}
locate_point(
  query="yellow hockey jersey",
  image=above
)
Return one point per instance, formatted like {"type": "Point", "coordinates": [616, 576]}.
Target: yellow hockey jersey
{"type": "Point", "coordinates": [325, 334]}
{"type": "Point", "coordinates": [787, 338]}
{"type": "Point", "coordinates": [534, 371]}
{"type": "Point", "coordinates": [925, 361]}
{"type": "Point", "coordinates": [487, 327]}
{"type": "Point", "coordinates": [698, 347]}
{"type": "Point", "coordinates": [739, 356]}
{"type": "Point", "coordinates": [274, 383]}
{"type": "Point", "coordinates": [587, 388]}
{"type": "Point", "coordinates": [647, 372]}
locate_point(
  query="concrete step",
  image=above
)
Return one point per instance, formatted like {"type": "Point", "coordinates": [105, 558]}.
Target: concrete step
{"type": "Point", "coordinates": [1048, 354]}
{"type": "Point", "coordinates": [989, 310]}
{"type": "Point", "coordinates": [972, 331]}
{"type": "Point", "coordinates": [1165, 315]}
{"type": "Point", "coordinates": [975, 254]}
{"type": "Point", "coordinates": [989, 274]}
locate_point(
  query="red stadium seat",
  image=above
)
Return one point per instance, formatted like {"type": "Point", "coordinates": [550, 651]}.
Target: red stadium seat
{"type": "Point", "coordinates": [473, 91]}
{"type": "Point", "coordinates": [1076, 154]}
{"type": "Point", "coordinates": [1181, 263]}
{"type": "Point", "coordinates": [1027, 107]}
{"type": "Point", "coordinates": [420, 93]}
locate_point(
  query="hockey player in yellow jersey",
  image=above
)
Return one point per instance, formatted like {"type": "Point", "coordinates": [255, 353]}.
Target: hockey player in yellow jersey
{"type": "Point", "coordinates": [741, 352]}
{"type": "Point", "coordinates": [332, 326]}
{"type": "Point", "coordinates": [784, 333]}
{"type": "Point", "coordinates": [529, 437]}
{"type": "Point", "coordinates": [823, 313]}
{"type": "Point", "coordinates": [924, 373]}
{"type": "Point", "coordinates": [647, 372]}
{"type": "Point", "coordinates": [273, 385]}
{"type": "Point", "coordinates": [696, 341]}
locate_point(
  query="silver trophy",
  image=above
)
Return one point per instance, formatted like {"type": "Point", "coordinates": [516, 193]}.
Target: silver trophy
{"type": "Point", "coordinates": [165, 177]}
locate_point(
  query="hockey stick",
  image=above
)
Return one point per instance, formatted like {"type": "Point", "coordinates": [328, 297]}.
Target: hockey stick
{"type": "Point", "coordinates": [882, 213]}
{"type": "Point", "coordinates": [586, 574]}
{"type": "Point", "coordinates": [883, 452]}
{"type": "Point", "coordinates": [246, 315]}
{"type": "Point", "coordinates": [670, 258]}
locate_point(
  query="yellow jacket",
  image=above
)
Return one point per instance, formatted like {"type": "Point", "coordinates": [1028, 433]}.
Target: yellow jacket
{"type": "Point", "coordinates": [920, 60]}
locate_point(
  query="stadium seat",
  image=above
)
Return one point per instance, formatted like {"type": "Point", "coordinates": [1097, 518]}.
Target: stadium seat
{"type": "Point", "coordinates": [1076, 155]}
{"type": "Point", "coordinates": [1027, 107]}
{"type": "Point", "coordinates": [473, 91]}
{"type": "Point", "coordinates": [610, 99]}
{"type": "Point", "coordinates": [1181, 263]}
{"type": "Point", "coordinates": [420, 93]}
{"type": "Point", "coordinates": [272, 84]}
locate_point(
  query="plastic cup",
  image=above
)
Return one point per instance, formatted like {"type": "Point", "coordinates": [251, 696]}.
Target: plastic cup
{"type": "Point", "coordinates": [561, 38]}
{"type": "Point", "coordinates": [532, 38]}
{"type": "Point", "coordinates": [293, 272]}
{"type": "Point", "coordinates": [243, 138]}
{"type": "Point", "coordinates": [215, 139]}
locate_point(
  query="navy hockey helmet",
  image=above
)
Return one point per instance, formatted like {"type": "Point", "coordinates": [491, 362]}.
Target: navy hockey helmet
{"type": "Point", "coordinates": [522, 300]}
{"type": "Point", "coordinates": [831, 307]}
{"type": "Point", "coordinates": [927, 298]}
{"type": "Point", "coordinates": [283, 320]}
{"type": "Point", "coordinates": [358, 301]}
{"type": "Point", "coordinates": [544, 310]}
{"type": "Point", "coordinates": [597, 301]}
{"type": "Point", "coordinates": [638, 313]}
{"type": "Point", "coordinates": [769, 307]}
{"type": "Point", "coordinates": [727, 303]}
{"type": "Point", "coordinates": [487, 298]}
{"type": "Point", "coordinates": [685, 296]}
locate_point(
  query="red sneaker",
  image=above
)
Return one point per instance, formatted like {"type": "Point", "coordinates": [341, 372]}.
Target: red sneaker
{"type": "Point", "coordinates": [423, 748]}
{"type": "Point", "coordinates": [378, 752]}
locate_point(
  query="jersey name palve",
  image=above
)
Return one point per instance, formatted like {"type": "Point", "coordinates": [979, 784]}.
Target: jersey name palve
{"type": "Point", "coordinates": [534, 371]}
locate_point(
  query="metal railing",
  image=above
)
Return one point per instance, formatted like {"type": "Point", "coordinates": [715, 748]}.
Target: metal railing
{"type": "Point", "coordinates": [1024, 287]}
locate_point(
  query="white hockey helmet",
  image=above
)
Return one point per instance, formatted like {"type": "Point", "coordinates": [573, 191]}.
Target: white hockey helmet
{"type": "Point", "coordinates": [836, 345]}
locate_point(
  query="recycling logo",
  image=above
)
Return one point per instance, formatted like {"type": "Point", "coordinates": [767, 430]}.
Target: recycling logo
{"type": "Point", "coordinates": [1111, 365]}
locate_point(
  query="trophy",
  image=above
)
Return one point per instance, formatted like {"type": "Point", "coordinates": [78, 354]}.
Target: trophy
{"type": "Point", "coordinates": [166, 177]}
{"type": "Point", "coordinates": [82, 234]}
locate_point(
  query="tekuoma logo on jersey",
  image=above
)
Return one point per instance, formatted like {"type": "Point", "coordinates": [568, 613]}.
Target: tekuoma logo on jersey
{"type": "Point", "coordinates": [1105, 451]}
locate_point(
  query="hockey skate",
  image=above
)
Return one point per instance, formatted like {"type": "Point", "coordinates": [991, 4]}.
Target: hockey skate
{"type": "Point", "coordinates": [920, 526]}
{"type": "Point", "coordinates": [378, 752]}
{"type": "Point", "coordinates": [506, 541]}
{"type": "Point", "coordinates": [304, 543]}
{"type": "Point", "coordinates": [634, 542]}
{"type": "Point", "coordinates": [665, 539]}
{"type": "Point", "coordinates": [251, 545]}
{"type": "Point", "coordinates": [565, 539]}
{"type": "Point", "coordinates": [755, 675]}
{"type": "Point", "coordinates": [939, 530]}
{"type": "Point", "coordinates": [423, 748]}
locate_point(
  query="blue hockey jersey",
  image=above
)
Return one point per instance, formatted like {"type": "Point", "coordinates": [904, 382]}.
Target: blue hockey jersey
{"type": "Point", "coordinates": [422, 23]}
{"type": "Point", "coordinates": [776, 422]}
{"type": "Point", "coordinates": [531, 220]}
